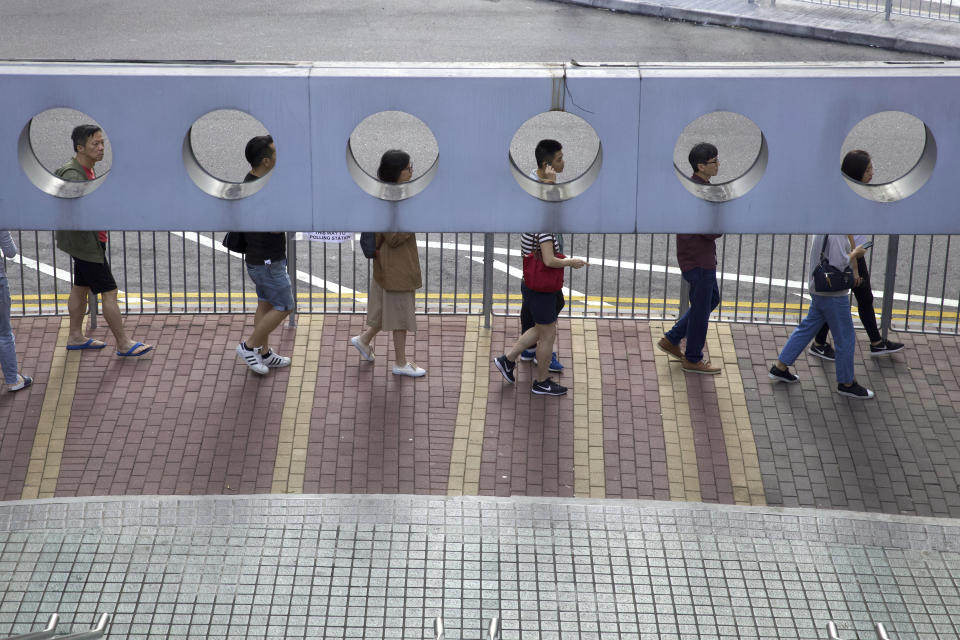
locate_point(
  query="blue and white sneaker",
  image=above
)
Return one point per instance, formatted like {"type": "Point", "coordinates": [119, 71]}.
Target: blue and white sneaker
{"type": "Point", "coordinates": [555, 366]}
{"type": "Point", "coordinates": [528, 354]}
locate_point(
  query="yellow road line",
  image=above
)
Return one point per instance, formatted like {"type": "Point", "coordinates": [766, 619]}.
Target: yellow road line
{"type": "Point", "coordinates": [464, 477]}
{"type": "Point", "coordinates": [589, 478]}
{"type": "Point", "coordinates": [622, 305]}
{"type": "Point", "coordinates": [737, 431]}
{"type": "Point", "coordinates": [289, 467]}
{"type": "Point", "coordinates": [682, 470]}
{"type": "Point", "coordinates": [47, 453]}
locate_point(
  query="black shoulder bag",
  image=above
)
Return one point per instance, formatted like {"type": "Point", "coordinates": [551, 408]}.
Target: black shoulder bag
{"type": "Point", "coordinates": [827, 278]}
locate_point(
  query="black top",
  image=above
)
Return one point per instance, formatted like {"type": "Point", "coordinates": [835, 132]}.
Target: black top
{"type": "Point", "coordinates": [263, 246]}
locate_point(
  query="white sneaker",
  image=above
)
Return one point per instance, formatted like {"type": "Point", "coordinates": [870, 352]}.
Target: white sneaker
{"type": "Point", "coordinates": [366, 352]}
{"type": "Point", "coordinates": [252, 359]}
{"type": "Point", "coordinates": [275, 360]}
{"type": "Point", "coordinates": [409, 369]}
{"type": "Point", "coordinates": [22, 383]}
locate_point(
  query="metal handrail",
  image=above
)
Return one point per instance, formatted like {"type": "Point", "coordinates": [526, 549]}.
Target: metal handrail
{"type": "Point", "coordinates": [39, 635]}
{"type": "Point", "coordinates": [832, 631]}
{"type": "Point", "coordinates": [493, 631]}
{"type": "Point", "coordinates": [92, 634]}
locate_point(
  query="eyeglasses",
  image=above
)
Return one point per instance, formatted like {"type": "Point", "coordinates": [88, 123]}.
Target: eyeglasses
{"type": "Point", "coordinates": [714, 161]}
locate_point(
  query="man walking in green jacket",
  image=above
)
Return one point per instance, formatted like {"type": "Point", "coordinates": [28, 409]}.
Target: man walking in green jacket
{"type": "Point", "coordinates": [88, 249]}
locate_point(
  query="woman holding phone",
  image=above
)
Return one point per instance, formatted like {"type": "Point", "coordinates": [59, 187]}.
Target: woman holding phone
{"type": "Point", "coordinates": [858, 166]}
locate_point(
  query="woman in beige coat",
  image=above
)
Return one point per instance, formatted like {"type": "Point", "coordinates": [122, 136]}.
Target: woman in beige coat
{"type": "Point", "coordinates": [396, 276]}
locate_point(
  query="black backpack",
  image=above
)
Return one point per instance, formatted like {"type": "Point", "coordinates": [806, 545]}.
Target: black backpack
{"type": "Point", "coordinates": [235, 241]}
{"type": "Point", "coordinates": [368, 244]}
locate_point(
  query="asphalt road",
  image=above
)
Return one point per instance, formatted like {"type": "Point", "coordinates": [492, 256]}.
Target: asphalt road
{"type": "Point", "coordinates": [436, 30]}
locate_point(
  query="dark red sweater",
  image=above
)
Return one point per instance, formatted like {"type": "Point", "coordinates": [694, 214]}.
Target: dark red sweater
{"type": "Point", "coordinates": [697, 249]}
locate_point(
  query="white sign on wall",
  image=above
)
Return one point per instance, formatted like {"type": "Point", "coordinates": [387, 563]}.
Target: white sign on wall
{"type": "Point", "coordinates": [329, 236]}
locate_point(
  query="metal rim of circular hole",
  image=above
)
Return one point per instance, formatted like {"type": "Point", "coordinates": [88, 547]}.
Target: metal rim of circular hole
{"type": "Point", "coordinates": [210, 184]}
{"type": "Point", "coordinates": [46, 181]}
{"type": "Point", "coordinates": [907, 184]}
{"type": "Point", "coordinates": [389, 191]}
{"type": "Point", "coordinates": [564, 190]}
{"type": "Point", "coordinates": [731, 189]}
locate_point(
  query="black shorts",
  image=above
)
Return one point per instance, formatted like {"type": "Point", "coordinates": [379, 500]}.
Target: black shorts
{"type": "Point", "coordinates": [94, 275]}
{"type": "Point", "coordinates": [541, 308]}
{"type": "Point", "coordinates": [526, 318]}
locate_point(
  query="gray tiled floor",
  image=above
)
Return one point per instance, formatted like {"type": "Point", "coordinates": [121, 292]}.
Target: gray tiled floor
{"type": "Point", "coordinates": [383, 567]}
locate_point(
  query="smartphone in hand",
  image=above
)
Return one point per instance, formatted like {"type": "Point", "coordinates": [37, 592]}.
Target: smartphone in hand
{"type": "Point", "coordinates": [867, 244]}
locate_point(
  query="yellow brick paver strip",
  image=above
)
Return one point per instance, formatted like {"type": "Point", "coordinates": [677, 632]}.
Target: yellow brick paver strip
{"type": "Point", "coordinates": [737, 431]}
{"type": "Point", "coordinates": [290, 464]}
{"type": "Point", "coordinates": [464, 478]}
{"type": "Point", "coordinates": [587, 390]}
{"type": "Point", "coordinates": [43, 470]}
{"type": "Point", "coordinates": [682, 471]}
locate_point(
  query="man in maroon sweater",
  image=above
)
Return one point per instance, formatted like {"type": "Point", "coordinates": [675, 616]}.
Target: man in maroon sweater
{"type": "Point", "coordinates": [697, 255]}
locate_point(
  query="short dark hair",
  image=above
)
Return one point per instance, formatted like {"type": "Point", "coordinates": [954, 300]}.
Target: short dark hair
{"type": "Point", "coordinates": [257, 149]}
{"type": "Point", "coordinates": [855, 164]}
{"type": "Point", "coordinates": [392, 164]}
{"type": "Point", "coordinates": [545, 151]}
{"type": "Point", "coordinates": [701, 153]}
{"type": "Point", "coordinates": [81, 133]}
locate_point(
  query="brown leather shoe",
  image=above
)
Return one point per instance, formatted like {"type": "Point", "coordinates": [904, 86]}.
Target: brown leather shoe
{"type": "Point", "coordinates": [669, 348]}
{"type": "Point", "coordinates": [703, 366]}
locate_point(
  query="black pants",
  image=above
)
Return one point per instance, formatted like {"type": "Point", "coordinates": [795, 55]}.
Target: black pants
{"type": "Point", "coordinates": [526, 318]}
{"type": "Point", "coordinates": [864, 296]}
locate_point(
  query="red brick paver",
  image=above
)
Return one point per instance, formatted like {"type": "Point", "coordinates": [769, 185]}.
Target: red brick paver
{"type": "Point", "coordinates": [190, 418]}
{"type": "Point", "coordinates": [20, 412]}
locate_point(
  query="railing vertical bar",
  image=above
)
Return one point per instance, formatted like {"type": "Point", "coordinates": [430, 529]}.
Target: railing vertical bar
{"type": "Point", "coordinates": [619, 271]}
{"type": "Point", "coordinates": [889, 283]}
{"type": "Point", "coordinates": [488, 277]}
{"type": "Point", "coordinates": [426, 281]}
{"type": "Point", "coordinates": [926, 287]}
{"type": "Point", "coordinates": [456, 271]}
{"type": "Point", "coordinates": [753, 280]}
{"type": "Point", "coordinates": [786, 279]}
{"type": "Point", "coordinates": [721, 269]}
{"type": "Point", "coordinates": [586, 279]}
{"type": "Point", "coordinates": [913, 258]}
{"type": "Point", "coordinates": [183, 251]}
{"type": "Point", "coordinates": [470, 274]}
{"type": "Point", "coordinates": [943, 286]}
{"type": "Point", "coordinates": [292, 274]}
{"type": "Point", "coordinates": [603, 271]}
{"type": "Point", "coordinates": [636, 259]}
{"type": "Point", "coordinates": [56, 280]}
{"type": "Point", "coordinates": [169, 274]}
{"type": "Point", "coordinates": [440, 282]}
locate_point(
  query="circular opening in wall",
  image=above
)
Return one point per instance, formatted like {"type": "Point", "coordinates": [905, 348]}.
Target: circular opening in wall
{"type": "Point", "coordinates": [891, 155]}
{"type": "Point", "coordinates": [392, 130]}
{"type": "Point", "coordinates": [46, 145]}
{"type": "Point", "coordinates": [565, 173]}
{"type": "Point", "coordinates": [740, 156]}
{"type": "Point", "coordinates": [214, 153]}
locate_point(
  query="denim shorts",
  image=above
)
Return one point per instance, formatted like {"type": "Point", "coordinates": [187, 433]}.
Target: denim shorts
{"type": "Point", "coordinates": [273, 284]}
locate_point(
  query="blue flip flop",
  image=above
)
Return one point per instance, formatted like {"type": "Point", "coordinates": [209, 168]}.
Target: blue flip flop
{"type": "Point", "coordinates": [86, 345]}
{"type": "Point", "coordinates": [130, 352]}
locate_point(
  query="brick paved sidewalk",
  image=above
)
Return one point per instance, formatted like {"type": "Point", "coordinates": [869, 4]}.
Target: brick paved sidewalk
{"type": "Point", "coordinates": [190, 419]}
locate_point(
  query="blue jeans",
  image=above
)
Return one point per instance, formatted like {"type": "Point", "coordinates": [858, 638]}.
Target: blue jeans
{"type": "Point", "coordinates": [832, 310]}
{"type": "Point", "coordinates": [8, 347]}
{"type": "Point", "coordinates": [704, 298]}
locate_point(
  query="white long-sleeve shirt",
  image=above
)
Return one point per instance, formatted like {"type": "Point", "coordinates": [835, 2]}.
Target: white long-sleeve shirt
{"type": "Point", "coordinates": [837, 253]}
